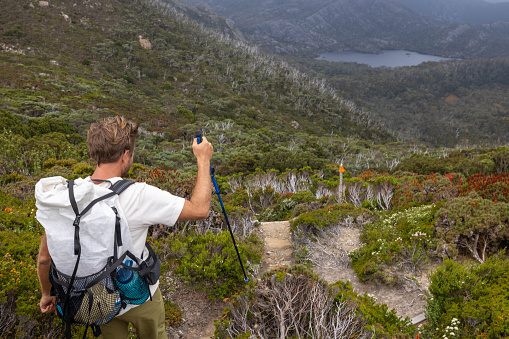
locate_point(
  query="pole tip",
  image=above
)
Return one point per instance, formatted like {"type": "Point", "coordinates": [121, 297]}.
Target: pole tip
{"type": "Point", "coordinates": [246, 279]}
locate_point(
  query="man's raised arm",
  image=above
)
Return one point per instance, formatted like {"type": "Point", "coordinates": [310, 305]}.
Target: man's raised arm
{"type": "Point", "coordinates": [198, 206]}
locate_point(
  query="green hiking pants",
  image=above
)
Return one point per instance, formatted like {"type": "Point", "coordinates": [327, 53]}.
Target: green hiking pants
{"type": "Point", "coordinates": [148, 319]}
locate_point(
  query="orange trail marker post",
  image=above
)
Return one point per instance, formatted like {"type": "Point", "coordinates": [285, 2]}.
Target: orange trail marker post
{"type": "Point", "coordinates": [341, 171]}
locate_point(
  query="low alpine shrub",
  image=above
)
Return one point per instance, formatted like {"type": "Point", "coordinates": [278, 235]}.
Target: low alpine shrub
{"type": "Point", "coordinates": [473, 224]}
{"type": "Point", "coordinates": [173, 314]}
{"type": "Point", "coordinates": [379, 320]}
{"type": "Point", "coordinates": [82, 170]}
{"type": "Point", "coordinates": [11, 177]}
{"type": "Point", "coordinates": [16, 214]}
{"type": "Point", "coordinates": [415, 190]}
{"type": "Point", "coordinates": [313, 223]}
{"type": "Point", "coordinates": [469, 300]}
{"type": "Point", "coordinates": [492, 187]}
{"type": "Point", "coordinates": [210, 262]}
{"type": "Point", "coordinates": [20, 292]}
{"type": "Point", "coordinates": [292, 302]}
{"type": "Point", "coordinates": [282, 210]}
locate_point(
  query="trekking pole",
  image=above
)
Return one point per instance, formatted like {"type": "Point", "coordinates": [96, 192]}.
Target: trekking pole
{"type": "Point", "coordinates": [198, 135]}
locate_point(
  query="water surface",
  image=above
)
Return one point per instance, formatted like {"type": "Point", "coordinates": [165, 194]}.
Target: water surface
{"type": "Point", "coordinates": [389, 58]}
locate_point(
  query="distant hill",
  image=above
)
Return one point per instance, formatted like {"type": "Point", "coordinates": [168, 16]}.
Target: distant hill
{"type": "Point", "coordinates": [466, 11]}
{"type": "Point", "coordinates": [308, 27]}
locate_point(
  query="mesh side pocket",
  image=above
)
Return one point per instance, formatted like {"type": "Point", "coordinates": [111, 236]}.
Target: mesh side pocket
{"type": "Point", "coordinates": [88, 305]}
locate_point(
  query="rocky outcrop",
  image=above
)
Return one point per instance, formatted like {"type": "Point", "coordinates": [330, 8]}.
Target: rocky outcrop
{"type": "Point", "coordinates": [145, 43]}
{"type": "Point", "coordinates": [15, 50]}
{"type": "Point", "coordinates": [66, 17]}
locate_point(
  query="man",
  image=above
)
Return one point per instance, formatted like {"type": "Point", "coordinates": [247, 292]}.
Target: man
{"type": "Point", "coordinates": [111, 145]}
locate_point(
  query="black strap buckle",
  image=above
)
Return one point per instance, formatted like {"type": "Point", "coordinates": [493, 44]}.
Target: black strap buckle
{"type": "Point", "coordinates": [76, 222]}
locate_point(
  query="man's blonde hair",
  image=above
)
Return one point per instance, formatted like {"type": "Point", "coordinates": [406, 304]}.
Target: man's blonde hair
{"type": "Point", "coordinates": [110, 138]}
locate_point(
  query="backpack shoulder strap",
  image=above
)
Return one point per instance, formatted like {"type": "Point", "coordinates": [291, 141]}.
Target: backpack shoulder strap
{"type": "Point", "coordinates": [121, 186]}
{"type": "Point", "coordinates": [118, 188]}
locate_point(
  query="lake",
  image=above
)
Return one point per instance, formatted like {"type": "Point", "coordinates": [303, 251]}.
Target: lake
{"type": "Point", "coordinates": [389, 58]}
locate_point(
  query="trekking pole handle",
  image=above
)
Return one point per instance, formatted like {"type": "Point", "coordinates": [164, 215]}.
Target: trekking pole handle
{"type": "Point", "coordinates": [198, 135]}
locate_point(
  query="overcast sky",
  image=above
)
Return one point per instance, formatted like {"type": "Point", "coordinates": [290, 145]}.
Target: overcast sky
{"type": "Point", "coordinates": [496, 0]}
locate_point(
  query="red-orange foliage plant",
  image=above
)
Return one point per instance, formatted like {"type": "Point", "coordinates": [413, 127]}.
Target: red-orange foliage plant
{"type": "Point", "coordinates": [419, 189]}
{"type": "Point", "coordinates": [494, 187]}
{"type": "Point", "coordinates": [169, 180]}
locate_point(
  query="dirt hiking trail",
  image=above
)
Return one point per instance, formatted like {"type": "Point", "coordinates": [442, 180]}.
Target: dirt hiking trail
{"type": "Point", "coordinates": [407, 299]}
{"type": "Point", "coordinates": [199, 313]}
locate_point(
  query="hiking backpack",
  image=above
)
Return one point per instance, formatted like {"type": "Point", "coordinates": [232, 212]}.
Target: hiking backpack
{"type": "Point", "coordinates": [93, 273]}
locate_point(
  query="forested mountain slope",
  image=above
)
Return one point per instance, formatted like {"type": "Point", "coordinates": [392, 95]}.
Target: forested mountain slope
{"type": "Point", "coordinates": [79, 61]}
{"type": "Point", "coordinates": [307, 28]}
{"type": "Point", "coordinates": [469, 11]}
{"type": "Point", "coordinates": [449, 103]}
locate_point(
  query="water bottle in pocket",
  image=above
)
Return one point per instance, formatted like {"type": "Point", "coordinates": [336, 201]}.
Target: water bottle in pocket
{"type": "Point", "coordinates": [131, 285]}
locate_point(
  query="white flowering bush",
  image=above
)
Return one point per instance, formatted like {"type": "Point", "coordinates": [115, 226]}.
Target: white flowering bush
{"type": "Point", "coordinates": [397, 242]}
{"type": "Point", "coordinates": [452, 331]}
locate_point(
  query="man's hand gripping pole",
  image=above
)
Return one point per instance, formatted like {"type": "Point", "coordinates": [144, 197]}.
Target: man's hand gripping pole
{"type": "Point", "coordinates": [213, 176]}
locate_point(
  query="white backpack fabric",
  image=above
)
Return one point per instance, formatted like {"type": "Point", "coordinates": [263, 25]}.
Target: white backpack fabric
{"type": "Point", "coordinates": [96, 232]}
